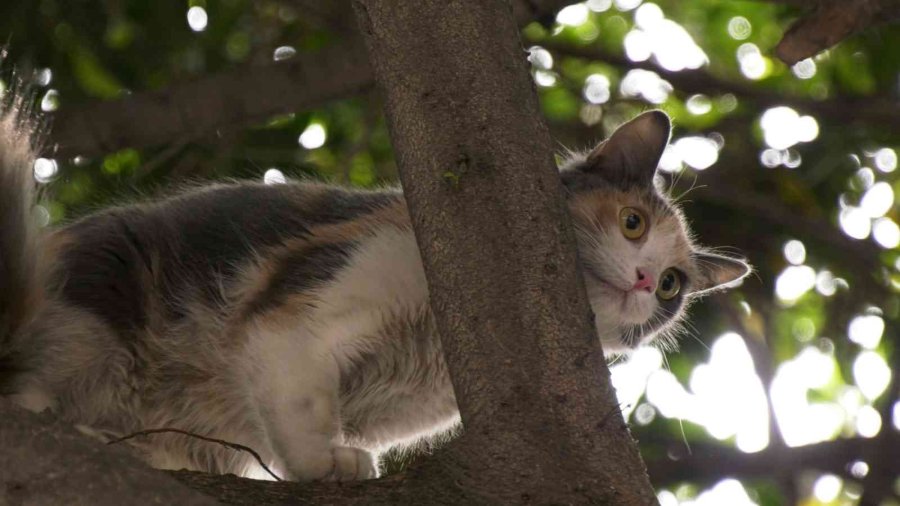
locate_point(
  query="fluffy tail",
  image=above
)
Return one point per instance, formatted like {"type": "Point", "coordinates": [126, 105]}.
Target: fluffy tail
{"type": "Point", "coordinates": [20, 253]}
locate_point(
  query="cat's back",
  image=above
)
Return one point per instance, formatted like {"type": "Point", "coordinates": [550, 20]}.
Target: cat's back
{"type": "Point", "coordinates": [189, 247]}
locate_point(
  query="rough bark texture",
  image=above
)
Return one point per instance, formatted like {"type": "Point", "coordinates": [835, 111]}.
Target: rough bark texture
{"type": "Point", "coordinates": [541, 419]}
{"type": "Point", "coordinates": [44, 461]}
{"type": "Point", "coordinates": [236, 98]}
{"type": "Point", "coordinates": [830, 22]}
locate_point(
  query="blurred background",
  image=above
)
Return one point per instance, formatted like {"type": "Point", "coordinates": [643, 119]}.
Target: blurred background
{"type": "Point", "coordinates": [784, 391]}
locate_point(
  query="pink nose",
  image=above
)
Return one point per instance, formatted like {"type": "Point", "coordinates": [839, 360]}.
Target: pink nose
{"type": "Point", "coordinates": [644, 281]}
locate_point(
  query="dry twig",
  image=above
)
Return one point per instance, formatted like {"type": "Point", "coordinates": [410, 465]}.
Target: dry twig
{"type": "Point", "coordinates": [226, 444]}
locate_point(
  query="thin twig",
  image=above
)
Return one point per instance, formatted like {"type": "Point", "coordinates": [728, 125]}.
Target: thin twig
{"type": "Point", "coordinates": [226, 444]}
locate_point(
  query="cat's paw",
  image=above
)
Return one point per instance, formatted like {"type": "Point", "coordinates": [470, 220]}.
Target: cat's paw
{"type": "Point", "coordinates": [338, 463]}
{"type": "Point", "coordinates": [353, 464]}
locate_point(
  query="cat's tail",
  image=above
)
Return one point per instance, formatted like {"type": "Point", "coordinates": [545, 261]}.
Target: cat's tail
{"type": "Point", "coordinates": [21, 276]}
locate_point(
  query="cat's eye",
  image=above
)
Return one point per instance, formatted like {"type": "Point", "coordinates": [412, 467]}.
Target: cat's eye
{"type": "Point", "coordinates": [632, 223]}
{"type": "Point", "coordinates": [669, 284]}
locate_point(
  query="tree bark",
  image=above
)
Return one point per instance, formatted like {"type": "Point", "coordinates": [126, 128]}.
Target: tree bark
{"type": "Point", "coordinates": [45, 461]}
{"type": "Point", "coordinates": [541, 419]}
{"type": "Point", "coordinates": [831, 21]}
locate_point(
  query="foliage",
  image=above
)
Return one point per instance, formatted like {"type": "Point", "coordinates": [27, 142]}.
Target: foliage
{"type": "Point", "coordinates": [828, 182]}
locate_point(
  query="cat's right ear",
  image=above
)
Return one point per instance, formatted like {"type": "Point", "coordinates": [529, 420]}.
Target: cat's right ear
{"type": "Point", "coordinates": [632, 152]}
{"type": "Point", "coordinates": [718, 272]}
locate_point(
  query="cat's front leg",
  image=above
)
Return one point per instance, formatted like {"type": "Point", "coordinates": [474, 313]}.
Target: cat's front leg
{"type": "Point", "coordinates": [295, 388]}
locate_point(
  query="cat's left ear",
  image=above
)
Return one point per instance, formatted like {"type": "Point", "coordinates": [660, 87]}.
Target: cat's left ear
{"type": "Point", "coordinates": [717, 272]}
{"type": "Point", "coordinates": [632, 152]}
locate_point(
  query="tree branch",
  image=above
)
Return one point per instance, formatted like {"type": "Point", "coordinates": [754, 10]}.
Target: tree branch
{"type": "Point", "coordinates": [236, 98]}
{"type": "Point", "coordinates": [245, 95]}
{"type": "Point", "coordinates": [710, 463]}
{"type": "Point", "coordinates": [46, 461]}
{"type": "Point", "coordinates": [33, 446]}
{"type": "Point", "coordinates": [830, 22]}
{"type": "Point", "coordinates": [845, 111]}
{"type": "Point", "coordinates": [707, 464]}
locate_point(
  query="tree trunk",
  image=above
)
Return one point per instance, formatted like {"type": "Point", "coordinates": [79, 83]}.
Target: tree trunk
{"type": "Point", "coordinates": [541, 419]}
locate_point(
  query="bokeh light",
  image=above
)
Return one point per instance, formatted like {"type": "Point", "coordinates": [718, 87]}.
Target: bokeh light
{"type": "Point", "coordinates": [50, 101]}
{"type": "Point", "coordinates": [739, 28]}
{"type": "Point", "coordinates": [645, 84]}
{"type": "Point", "coordinates": [804, 69]}
{"type": "Point", "coordinates": [827, 487]}
{"type": "Point", "coordinates": [573, 15]}
{"type": "Point", "coordinates": [45, 170]}
{"type": "Point", "coordinates": [668, 42]}
{"type": "Point", "coordinates": [877, 200]}
{"type": "Point", "coordinates": [783, 127]}
{"type": "Point", "coordinates": [698, 104]}
{"type": "Point", "coordinates": [855, 222]}
{"type": "Point", "coordinates": [801, 421]}
{"type": "Point", "coordinates": [794, 281]}
{"type": "Point", "coordinates": [886, 233]}
{"type": "Point", "coordinates": [698, 152]}
{"type": "Point", "coordinates": [866, 330]}
{"type": "Point", "coordinates": [753, 64]}
{"type": "Point", "coordinates": [197, 18]}
{"type": "Point", "coordinates": [871, 374]}
{"type": "Point", "coordinates": [886, 160]}
{"type": "Point", "coordinates": [282, 53]}
{"type": "Point", "coordinates": [726, 395]}
{"type": "Point", "coordinates": [794, 252]}
{"type": "Point", "coordinates": [313, 137]}
{"type": "Point", "coordinates": [274, 176]}
{"type": "Point", "coordinates": [596, 89]}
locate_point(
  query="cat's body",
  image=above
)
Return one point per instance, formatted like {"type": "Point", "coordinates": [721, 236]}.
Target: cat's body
{"type": "Point", "coordinates": [293, 319]}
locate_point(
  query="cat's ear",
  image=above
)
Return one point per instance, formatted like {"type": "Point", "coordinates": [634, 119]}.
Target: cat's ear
{"type": "Point", "coordinates": [717, 272]}
{"type": "Point", "coordinates": [632, 152]}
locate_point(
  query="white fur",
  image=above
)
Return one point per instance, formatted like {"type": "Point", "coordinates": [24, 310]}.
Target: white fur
{"type": "Point", "coordinates": [295, 371]}
{"type": "Point", "coordinates": [616, 308]}
{"type": "Point", "coordinates": [384, 279]}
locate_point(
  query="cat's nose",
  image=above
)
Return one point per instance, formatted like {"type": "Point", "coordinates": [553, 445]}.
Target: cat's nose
{"type": "Point", "coordinates": [644, 281]}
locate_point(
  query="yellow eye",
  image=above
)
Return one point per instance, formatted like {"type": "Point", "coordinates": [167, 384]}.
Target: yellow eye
{"type": "Point", "coordinates": [632, 223]}
{"type": "Point", "coordinates": [669, 284]}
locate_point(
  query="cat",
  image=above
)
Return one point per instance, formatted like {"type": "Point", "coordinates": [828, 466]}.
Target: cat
{"type": "Point", "coordinates": [294, 318]}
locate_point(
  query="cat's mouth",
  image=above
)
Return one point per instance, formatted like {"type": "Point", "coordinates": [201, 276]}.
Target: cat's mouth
{"type": "Point", "coordinates": [600, 280]}
{"type": "Point", "coordinates": [618, 291]}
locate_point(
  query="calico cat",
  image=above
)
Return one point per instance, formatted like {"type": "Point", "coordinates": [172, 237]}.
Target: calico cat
{"type": "Point", "coordinates": [294, 318]}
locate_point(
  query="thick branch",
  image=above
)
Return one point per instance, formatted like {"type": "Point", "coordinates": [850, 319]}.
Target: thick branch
{"type": "Point", "coordinates": [46, 461]}
{"type": "Point", "coordinates": [831, 22]}
{"type": "Point", "coordinates": [710, 463]}
{"type": "Point", "coordinates": [844, 111]}
{"type": "Point", "coordinates": [706, 465]}
{"type": "Point", "coordinates": [235, 98]}
{"type": "Point", "coordinates": [238, 97]}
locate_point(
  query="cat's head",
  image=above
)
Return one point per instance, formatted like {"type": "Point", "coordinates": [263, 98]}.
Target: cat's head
{"type": "Point", "coordinates": [640, 264]}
